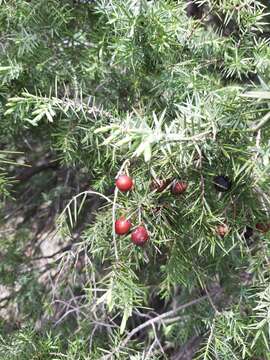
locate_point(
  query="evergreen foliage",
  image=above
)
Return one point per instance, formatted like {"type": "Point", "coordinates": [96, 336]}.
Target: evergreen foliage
{"type": "Point", "coordinates": [160, 90]}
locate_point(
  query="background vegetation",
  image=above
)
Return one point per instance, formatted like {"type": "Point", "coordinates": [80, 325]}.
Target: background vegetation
{"type": "Point", "coordinates": [160, 90]}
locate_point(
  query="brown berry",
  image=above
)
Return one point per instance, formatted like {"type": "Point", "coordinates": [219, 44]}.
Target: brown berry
{"type": "Point", "coordinates": [179, 187]}
{"type": "Point", "coordinates": [264, 228]}
{"type": "Point", "coordinates": [222, 230]}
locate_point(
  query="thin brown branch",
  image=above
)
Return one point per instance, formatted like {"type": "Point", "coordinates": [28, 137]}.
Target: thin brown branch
{"type": "Point", "coordinates": [151, 322]}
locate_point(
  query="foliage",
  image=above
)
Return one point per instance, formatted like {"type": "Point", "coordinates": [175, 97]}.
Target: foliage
{"type": "Point", "coordinates": [158, 89]}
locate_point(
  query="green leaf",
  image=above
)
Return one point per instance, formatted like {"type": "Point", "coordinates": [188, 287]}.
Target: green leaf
{"type": "Point", "coordinates": [9, 111]}
{"type": "Point", "coordinates": [257, 94]}
{"type": "Point", "coordinates": [147, 152]}
{"type": "Point", "coordinates": [104, 129]}
{"type": "Point", "coordinates": [141, 148]}
{"type": "Point", "coordinates": [125, 317]}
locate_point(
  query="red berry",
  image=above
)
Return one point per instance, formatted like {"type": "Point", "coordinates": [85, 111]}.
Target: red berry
{"type": "Point", "coordinates": [122, 226]}
{"type": "Point", "coordinates": [222, 230]}
{"type": "Point", "coordinates": [179, 187]}
{"type": "Point", "coordinates": [139, 236]}
{"type": "Point", "coordinates": [264, 228]}
{"type": "Point", "coordinates": [124, 183]}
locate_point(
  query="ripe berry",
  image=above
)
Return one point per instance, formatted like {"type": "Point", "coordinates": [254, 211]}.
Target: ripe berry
{"type": "Point", "coordinates": [222, 230]}
{"type": "Point", "coordinates": [122, 226]}
{"type": "Point", "coordinates": [139, 236]}
{"type": "Point", "coordinates": [222, 183]}
{"type": "Point", "coordinates": [124, 183]}
{"type": "Point", "coordinates": [264, 228]}
{"type": "Point", "coordinates": [179, 187]}
{"type": "Point", "coordinates": [159, 185]}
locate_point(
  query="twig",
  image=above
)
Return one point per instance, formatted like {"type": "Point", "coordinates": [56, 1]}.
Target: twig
{"type": "Point", "coordinates": [209, 340]}
{"type": "Point", "coordinates": [88, 192]}
{"type": "Point", "coordinates": [211, 301]}
{"type": "Point", "coordinates": [157, 340]}
{"type": "Point", "coordinates": [64, 249]}
{"type": "Point", "coordinates": [261, 123]}
{"type": "Point", "coordinates": [113, 224]}
{"type": "Point", "coordinates": [114, 210]}
{"type": "Point", "coordinates": [150, 350]}
{"type": "Point", "coordinates": [151, 322]}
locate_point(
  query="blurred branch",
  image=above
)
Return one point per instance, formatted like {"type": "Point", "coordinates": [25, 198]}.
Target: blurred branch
{"type": "Point", "coordinates": [151, 322]}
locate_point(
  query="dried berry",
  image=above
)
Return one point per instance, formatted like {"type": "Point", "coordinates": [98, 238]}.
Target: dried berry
{"type": "Point", "coordinates": [222, 183]}
{"type": "Point", "coordinates": [264, 228]}
{"type": "Point", "coordinates": [222, 230]}
{"type": "Point", "coordinates": [179, 187]}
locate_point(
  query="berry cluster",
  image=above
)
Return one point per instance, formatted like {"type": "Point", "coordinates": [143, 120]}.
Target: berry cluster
{"type": "Point", "coordinates": [139, 235]}
{"type": "Point", "coordinates": [124, 183]}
